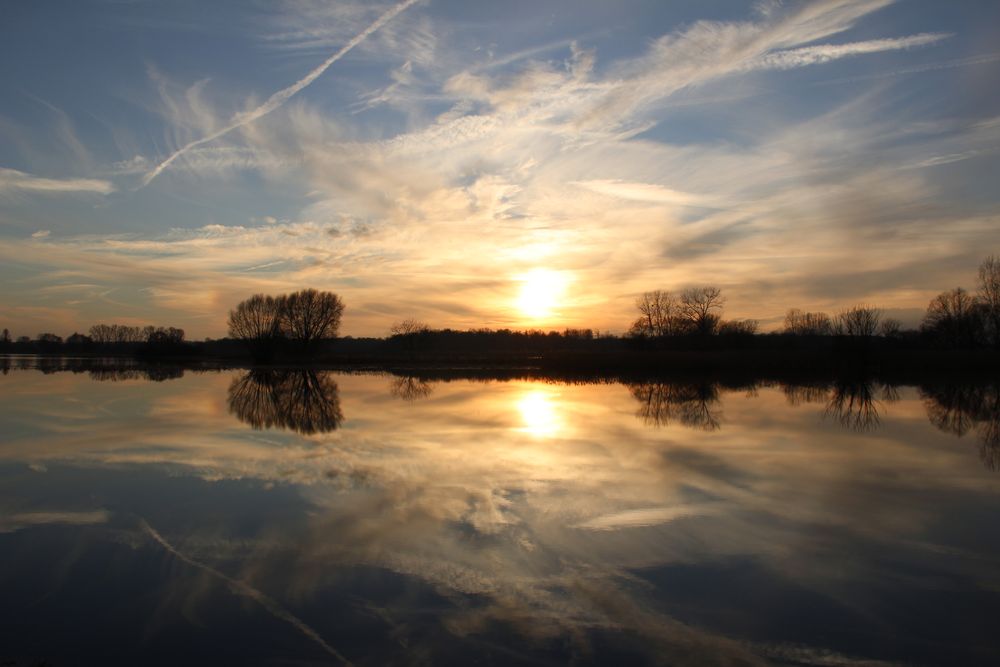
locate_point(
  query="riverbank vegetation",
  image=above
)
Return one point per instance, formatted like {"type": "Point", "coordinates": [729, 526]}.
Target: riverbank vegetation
{"type": "Point", "coordinates": [960, 330]}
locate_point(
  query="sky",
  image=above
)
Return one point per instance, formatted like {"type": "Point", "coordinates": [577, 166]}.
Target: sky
{"type": "Point", "coordinates": [472, 164]}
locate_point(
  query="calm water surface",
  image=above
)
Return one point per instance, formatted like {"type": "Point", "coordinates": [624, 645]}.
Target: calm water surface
{"type": "Point", "coordinates": [319, 518]}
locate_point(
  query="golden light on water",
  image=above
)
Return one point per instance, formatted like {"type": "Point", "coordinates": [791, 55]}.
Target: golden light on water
{"type": "Point", "coordinates": [540, 293]}
{"type": "Point", "coordinates": [539, 413]}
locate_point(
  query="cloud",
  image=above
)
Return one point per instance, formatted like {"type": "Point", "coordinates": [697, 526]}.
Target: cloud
{"type": "Point", "coordinates": [643, 192]}
{"type": "Point", "coordinates": [824, 53]}
{"type": "Point", "coordinates": [18, 521]}
{"type": "Point", "coordinates": [568, 166]}
{"type": "Point", "coordinates": [13, 181]}
{"type": "Point", "coordinates": [279, 98]}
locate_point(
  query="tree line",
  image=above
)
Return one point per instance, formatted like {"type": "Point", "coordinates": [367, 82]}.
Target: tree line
{"type": "Point", "coordinates": [298, 322]}
{"type": "Point", "coordinates": [955, 318]}
{"type": "Point", "coordinates": [104, 334]}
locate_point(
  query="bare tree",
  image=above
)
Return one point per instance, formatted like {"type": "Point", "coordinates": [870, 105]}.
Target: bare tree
{"type": "Point", "coordinates": [859, 321]}
{"type": "Point", "coordinates": [408, 327]}
{"type": "Point", "coordinates": [701, 308]}
{"type": "Point", "coordinates": [954, 319]}
{"type": "Point", "coordinates": [800, 323]}
{"type": "Point", "coordinates": [989, 296]}
{"type": "Point", "coordinates": [659, 314]}
{"type": "Point", "coordinates": [890, 328]}
{"type": "Point", "coordinates": [309, 315]}
{"type": "Point", "coordinates": [256, 319]}
{"type": "Point", "coordinates": [117, 333]}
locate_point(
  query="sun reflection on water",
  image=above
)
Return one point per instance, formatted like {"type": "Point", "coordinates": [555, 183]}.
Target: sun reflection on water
{"type": "Point", "coordinates": [539, 413]}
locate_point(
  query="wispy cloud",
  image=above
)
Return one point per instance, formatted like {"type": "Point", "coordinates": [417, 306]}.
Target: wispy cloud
{"type": "Point", "coordinates": [824, 53]}
{"type": "Point", "coordinates": [12, 181]}
{"type": "Point", "coordinates": [282, 96]}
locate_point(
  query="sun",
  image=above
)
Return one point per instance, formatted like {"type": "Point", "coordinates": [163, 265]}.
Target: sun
{"type": "Point", "coordinates": [540, 293]}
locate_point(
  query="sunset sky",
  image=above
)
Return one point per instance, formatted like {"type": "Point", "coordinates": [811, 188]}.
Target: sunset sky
{"type": "Point", "coordinates": [491, 164]}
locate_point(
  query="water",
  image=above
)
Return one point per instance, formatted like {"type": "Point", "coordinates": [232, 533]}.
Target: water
{"type": "Point", "coordinates": [320, 518]}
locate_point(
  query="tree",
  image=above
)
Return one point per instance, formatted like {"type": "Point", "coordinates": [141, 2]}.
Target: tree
{"type": "Point", "coordinates": [954, 319]}
{"type": "Point", "coordinates": [50, 338]}
{"type": "Point", "coordinates": [408, 327]}
{"type": "Point", "coordinates": [164, 336]}
{"type": "Point", "coordinates": [309, 315]}
{"type": "Point", "coordinates": [658, 314]}
{"type": "Point", "coordinates": [701, 308]}
{"type": "Point", "coordinates": [78, 339]}
{"type": "Point", "coordinates": [799, 323]}
{"type": "Point", "coordinates": [256, 319]}
{"type": "Point", "coordinates": [989, 296]}
{"type": "Point", "coordinates": [861, 321]}
{"type": "Point", "coordinates": [116, 333]}
{"type": "Point", "coordinates": [890, 328]}
{"type": "Point", "coordinates": [5, 338]}
{"type": "Point", "coordinates": [738, 327]}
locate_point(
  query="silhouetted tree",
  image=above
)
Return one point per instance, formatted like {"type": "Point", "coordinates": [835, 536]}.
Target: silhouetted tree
{"type": "Point", "coordinates": [5, 337]}
{"type": "Point", "coordinates": [890, 328]}
{"type": "Point", "coordinates": [738, 327]}
{"type": "Point", "coordinates": [116, 333]}
{"type": "Point", "coordinates": [257, 319]}
{"type": "Point", "coordinates": [659, 315]}
{"type": "Point", "coordinates": [309, 315]}
{"type": "Point", "coordinates": [78, 339]}
{"type": "Point", "coordinates": [701, 308]}
{"type": "Point", "coordinates": [858, 321]}
{"type": "Point", "coordinates": [989, 297]}
{"type": "Point", "coordinates": [800, 323]}
{"type": "Point", "coordinates": [49, 338]}
{"type": "Point", "coordinates": [408, 327]}
{"type": "Point", "coordinates": [303, 401]}
{"type": "Point", "coordinates": [954, 319]}
{"type": "Point", "coordinates": [164, 336]}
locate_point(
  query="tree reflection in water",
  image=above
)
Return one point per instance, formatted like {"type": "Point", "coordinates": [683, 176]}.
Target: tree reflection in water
{"type": "Point", "coordinates": [303, 401]}
{"type": "Point", "coordinates": [152, 373]}
{"type": "Point", "coordinates": [854, 404]}
{"type": "Point", "coordinates": [410, 388]}
{"type": "Point", "coordinates": [695, 405]}
{"type": "Point", "coordinates": [961, 408]}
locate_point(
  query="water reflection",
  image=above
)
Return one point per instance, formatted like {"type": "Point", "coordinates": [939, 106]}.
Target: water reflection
{"type": "Point", "coordinates": [306, 402]}
{"type": "Point", "coordinates": [410, 388]}
{"type": "Point", "coordinates": [854, 404]}
{"type": "Point", "coordinates": [695, 405]}
{"type": "Point", "coordinates": [152, 373]}
{"type": "Point", "coordinates": [539, 412]}
{"type": "Point", "coordinates": [545, 519]}
{"type": "Point", "coordinates": [961, 408]}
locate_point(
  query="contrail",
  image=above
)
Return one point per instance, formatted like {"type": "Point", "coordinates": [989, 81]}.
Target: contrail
{"type": "Point", "coordinates": [245, 589]}
{"type": "Point", "coordinates": [282, 96]}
